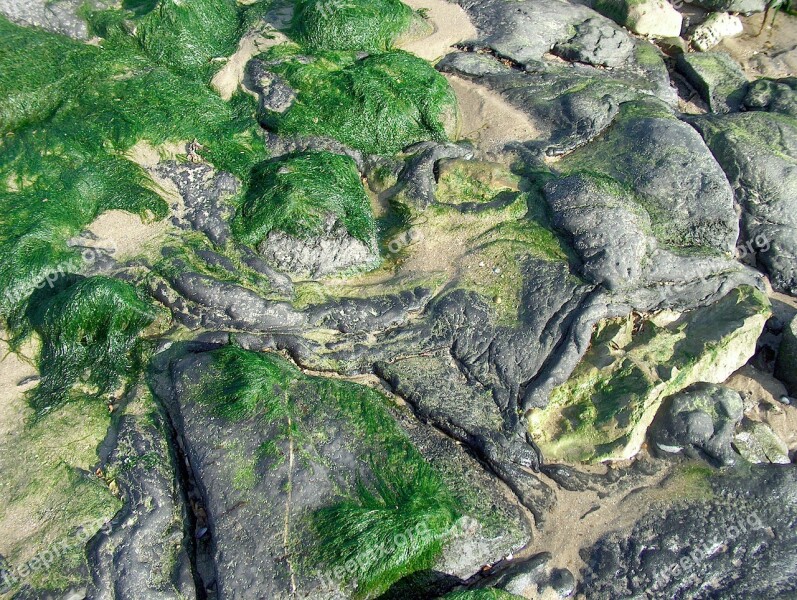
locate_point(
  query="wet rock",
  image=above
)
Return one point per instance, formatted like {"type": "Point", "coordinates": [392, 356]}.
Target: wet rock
{"type": "Point", "coordinates": [717, 78]}
{"type": "Point", "coordinates": [597, 42]}
{"type": "Point", "coordinates": [656, 18]}
{"type": "Point", "coordinates": [757, 443]}
{"type": "Point", "coordinates": [357, 315]}
{"type": "Point", "coordinates": [203, 192]}
{"type": "Point", "coordinates": [332, 251]}
{"type": "Point", "coordinates": [562, 582]}
{"type": "Point", "coordinates": [702, 417]}
{"type": "Point", "coordinates": [773, 95]}
{"type": "Point", "coordinates": [144, 553]}
{"type": "Point", "coordinates": [671, 171]}
{"type": "Point", "coordinates": [747, 517]}
{"type": "Point", "coordinates": [523, 577]}
{"type": "Point", "coordinates": [605, 408]}
{"type": "Point", "coordinates": [714, 29]}
{"type": "Point", "coordinates": [758, 152]}
{"type": "Point", "coordinates": [275, 93]}
{"type": "Point", "coordinates": [417, 181]}
{"type": "Point", "coordinates": [786, 365]}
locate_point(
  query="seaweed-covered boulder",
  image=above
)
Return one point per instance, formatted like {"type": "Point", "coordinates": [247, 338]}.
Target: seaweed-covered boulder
{"type": "Point", "coordinates": [758, 152]}
{"type": "Point", "coordinates": [366, 25]}
{"type": "Point", "coordinates": [308, 214]}
{"type": "Point", "coordinates": [378, 104]}
{"type": "Point", "coordinates": [310, 485]}
{"type": "Point", "coordinates": [702, 417]}
{"type": "Point", "coordinates": [694, 548]}
{"type": "Point", "coordinates": [604, 410]}
{"type": "Point", "coordinates": [717, 77]}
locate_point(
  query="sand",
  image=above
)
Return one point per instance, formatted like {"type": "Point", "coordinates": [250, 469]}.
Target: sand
{"type": "Point", "coordinates": [771, 54]}
{"type": "Point", "coordinates": [230, 76]}
{"type": "Point", "coordinates": [451, 26]}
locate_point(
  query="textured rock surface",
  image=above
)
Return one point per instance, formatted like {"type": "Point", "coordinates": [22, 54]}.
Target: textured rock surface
{"type": "Point", "coordinates": [714, 29]}
{"type": "Point", "coordinates": [694, 550]}
{"type": "Point", "coordinates": [59, 16]}
{"type": "Point", "coordinates": [717, 78]}
{"type": "Point", "coordinates": [702, 417]}
{"type": "Point", "coordinates": [656, 18]}
{"type": "Point", "coordinates": [778, 95]}
{"type": "Point", "coordinates": [786, 368]}
{"type": "Point", "coordinates": [759, 154]}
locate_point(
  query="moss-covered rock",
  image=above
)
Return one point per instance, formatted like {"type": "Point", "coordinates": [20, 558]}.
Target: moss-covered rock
{"type": "Point", "coordinates": [378, 104]}
{"type": "Point", "coordinates": [308, 213]}
{"type": "Point", "coordinates": [604, 409]}
{"type": "Point", "coordinates": [368, 25]}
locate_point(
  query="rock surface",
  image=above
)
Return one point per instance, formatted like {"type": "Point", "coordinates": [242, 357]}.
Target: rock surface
{"type": "Point", "coordinates": [717, 78]}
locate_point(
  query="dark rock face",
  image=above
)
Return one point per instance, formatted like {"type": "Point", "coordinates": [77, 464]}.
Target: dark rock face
{"type": "Point", "coordinates": [759, 154]}
{"type": "Point", "coordinates": [598, 43]}
{"type": "Point", "coordinates": [773, 95]}
{"type": "Point", "coordinates": [697, 550]}
{"type": "Point", "coordinates": [717, 78]}
{"type": "Point", "coordinates": [144, 552]}
{"type": "Point", "coordinates": [703, 417]}
{"type": "Point", "coordinates": [786, 367]}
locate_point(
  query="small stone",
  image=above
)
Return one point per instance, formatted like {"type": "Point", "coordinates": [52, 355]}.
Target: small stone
{"type": "Point", "coordinates": [714, 29]}
{"type": "Point", "coordinates": [656, 18]}
{"type": "Point", "coordinates": [717, 77]}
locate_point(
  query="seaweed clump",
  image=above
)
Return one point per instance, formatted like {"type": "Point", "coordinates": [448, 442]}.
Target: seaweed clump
{"type": "Point", "coordinates": [379, 104]}
{"type": "Point", "coordinates": [295, 194]}
{"type": "Point", "coordinates": [368, 25]}
{"type": "Point", "coordinates": [90, 331]}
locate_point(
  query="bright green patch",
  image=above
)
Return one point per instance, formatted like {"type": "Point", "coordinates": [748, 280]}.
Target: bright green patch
{"type": "Point", "coordinates": [90, 332]}
{"type": "Point", "coordinates": [368, 25]}
{"type": "Point", "coordinates": [378, 104]}
{"type": "Point", "coordinates": [473, 181]}
{"type": "Point", "coordinates": [295, 194]}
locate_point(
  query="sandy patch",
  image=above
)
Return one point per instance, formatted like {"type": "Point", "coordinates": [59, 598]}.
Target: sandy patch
{"type": "Point", "coordinates": [124, 234]}
{"type": "Point", "coordinates": [771, 54]}
{"type": "Point", "coordinates": [487, 119]}
{"type": "Point", "coordinates": [13, 409]}
{"type": "Point", "coordinates": [451, 25]}
{"type": "Point", "coordinates": [230, 76]}
{"type": "Point", "coordinates": [148, 156]}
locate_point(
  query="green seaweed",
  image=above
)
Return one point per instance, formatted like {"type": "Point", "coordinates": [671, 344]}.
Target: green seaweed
{"type": "Point", "coordinates": [488, 594]}
{"type": "Point", "coordinates": [379, 104]}
{"type": "Point", "coordinates": [368, 25]}
{"type": "Point", "coordinates": [90, 331]}
{"type": "Point", "coordinates": [294, 194]}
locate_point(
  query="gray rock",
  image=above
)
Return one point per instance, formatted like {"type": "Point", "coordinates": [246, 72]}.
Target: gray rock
{"type": "Point", "coordinates": [358, 315]}
{"type": "Point", "coordinates": [786, 365]}
{"type": "Point", "coordinates": [417, 182]}
{"type": "Point", "coordinates": [757, 443]}
{"type": "Point", "coordinates": [737, 542]}
{"type": "Point", "coordinates": [275, 93]}
{"type": "Point", "coordinates": [717, 77]}
{"type": "Point", "coordinates": [758, 152]}
{"type": "Point", "coordinates": [673, 174]}
{"type": "Point", "coordinates": [656, 18]}
{"type": "Point", "coordinates": [58, 16]}
{"type": "Point", "coordinates": [562, 582]}
{"type": "Point", "coordinates": [702, 417]}
{"type": "Point", "coordinates": [145, 551]}
{"type": "Point", "coordinates": [597, 42]}
{"type": "Point", "coordinates": [773, 95]}
{"type": "Point", "coordinates": [736, 6]}
{"type": "Point", "coordinates": [522, 575]}
{"type": "Point", "coordinates": [332, 251]}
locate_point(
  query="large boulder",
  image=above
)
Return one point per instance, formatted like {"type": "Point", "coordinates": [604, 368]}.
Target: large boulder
{"type": "Point", "coordinates": [604, 410]}
{"type": "Point", "coordinates": [758, 152]}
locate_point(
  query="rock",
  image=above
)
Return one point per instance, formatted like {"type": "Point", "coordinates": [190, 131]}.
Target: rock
{"type": "Point", "coordinates": [258, 497]}
{"type": "Point", "coordinates": [672, 173]}
{"type": "Point", "coordinates": [417, 182]}
{"type": "Point", "coordinates": [562, 582]}
{"type": "Point", "coordinates": [604, 410]}
{"type": "Point", "coordinates": [61, 16]}
{"type": "Point", "coordinates": [144, 552]}
{"type": "Point", "coordinates": [523, 577]}
{"type": "Point", "coordinates": [333, 251]}
{"type": "Point", "coordinates": [757, 443]}
{"type": "Point", "coordinates": [786, 365]}
{"type": "Point", "coordinates": [672, 46]}
{"type": "Point", "coordinates": [758, 152]}
{"type": "Point", "coordinates": [596, 42]}
{"type": "Point", "coordinates": [656, 18]}
{"type": "Point", "coordinates": [702, 417]}
{"type": "Point", "coordinates": [735, 6]}
{"type": "Point", "coordinates": [773, 95]}
{"type": "Point", "coordinates": [714, 29]}
{"type": "Point", "coordinates": [275, 93]}
{"type": "Point", "coordinates": [717, 78]}
{"type": "Point", "coordinates": [747, 517]}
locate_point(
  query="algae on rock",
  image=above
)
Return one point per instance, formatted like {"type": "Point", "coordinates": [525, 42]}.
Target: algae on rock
{"type": "Point", "coordinates": [604, 410]}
